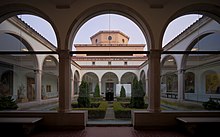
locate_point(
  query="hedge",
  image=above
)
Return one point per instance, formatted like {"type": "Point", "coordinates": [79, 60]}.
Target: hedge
{"type": "Point", "coordinates": [121, 112]}
{"type": "Point", "coordinates": [94, 113]}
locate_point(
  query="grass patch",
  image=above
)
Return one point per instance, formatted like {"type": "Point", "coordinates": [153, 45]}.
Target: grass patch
{"type": "Point", "coordinates": [184, 105]}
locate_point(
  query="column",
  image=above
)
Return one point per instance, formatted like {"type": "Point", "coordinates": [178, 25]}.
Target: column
{"type": "Point", "coordinates": [100, 88]}
{"type": "Point", "coordinates": [181, 84]}
{"type": "Point", "coordinates": [72, 88]}
{"type": "Point", "coordinates": [38, 76]}
{"type": "Point", "coordinates": [154, 81]}
{"type": "Point", "coordinates": [64, 81]}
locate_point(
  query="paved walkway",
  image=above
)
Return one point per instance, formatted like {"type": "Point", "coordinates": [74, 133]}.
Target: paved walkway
{"type": "Point", "coordinates": [110, 114]}
{"type": "Point", "coordinates": [109, 119]}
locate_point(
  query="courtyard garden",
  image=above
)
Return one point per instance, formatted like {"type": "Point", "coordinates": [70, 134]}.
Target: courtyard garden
{"type": "Point", "coordinates": [122, 105]}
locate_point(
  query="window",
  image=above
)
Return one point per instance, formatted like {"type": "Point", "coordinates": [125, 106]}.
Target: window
{"type": "Point", "coordinates": [109, 37]}
{"type": "Point", "coordinates": [109, 63]}
{"type": "Point", "coordinates": [93, 63]}
{"type": "Point", "coordinates": [123, 41]}
{"type": "Point", "coordinates": [96, 40]}
{"type": "Point", "coordinates": [125, 63]}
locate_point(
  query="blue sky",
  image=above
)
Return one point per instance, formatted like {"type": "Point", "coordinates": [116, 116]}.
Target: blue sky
{"type": "Point", "coordinates": [110, 22]}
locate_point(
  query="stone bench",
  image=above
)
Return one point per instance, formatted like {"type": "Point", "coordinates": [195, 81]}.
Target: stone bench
{"type": "Point", "coordinates": [25, 125]}
{"type": "Point", "coordinates": [200, 125]}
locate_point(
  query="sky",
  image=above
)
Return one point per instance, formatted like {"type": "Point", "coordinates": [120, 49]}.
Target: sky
{"type": "Point", "coordinates": [110, 22]}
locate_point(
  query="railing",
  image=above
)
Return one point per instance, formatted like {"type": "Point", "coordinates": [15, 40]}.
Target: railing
{"type": "Point", "coordinates": [173, 95]}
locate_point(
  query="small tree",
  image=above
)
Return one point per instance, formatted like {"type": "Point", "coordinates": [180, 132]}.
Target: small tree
{"type": "Point", "coordinates": [122, 92]}
{"type": "Point", "coordinates": [83, 99]}
{"type": "Point", "coordinates": [7, 103]}
{"type": "Point", "coordinates": [137, 94]}
{"type": "Point", "coordinates": [97, 91]}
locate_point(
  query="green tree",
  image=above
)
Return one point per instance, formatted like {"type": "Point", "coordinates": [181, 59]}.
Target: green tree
{"type": "Point", "coordinates": [7, 103]}
{"type": "Point", "coordinates": [122, 92]}
{"type": "Point", "coordinates": [137, 94]}
{"type": "Point", "coordinates": [83, 99]}
{"type": "Point", "coordinates": [97, 91]}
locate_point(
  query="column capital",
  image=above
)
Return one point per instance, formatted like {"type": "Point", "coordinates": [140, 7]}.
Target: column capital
{"type": "Point", "coordinates": [63, 53]}
{"type": "Point", "coordinates": [155, 53]}
{"type": "Point", "coordinates": [156, 50]}
{"type": "Point", "coordinates": [181, 71]}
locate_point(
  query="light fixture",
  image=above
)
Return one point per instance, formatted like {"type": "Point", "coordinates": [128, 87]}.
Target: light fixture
{"type": "Point", "coordinates": [194, 49]}
{"type": "Point", "coordinates": [24, 49]}
{"type": "Point", "coordinates": [48, 60]}
{"type": "Point", "coordinates": [170, 60]}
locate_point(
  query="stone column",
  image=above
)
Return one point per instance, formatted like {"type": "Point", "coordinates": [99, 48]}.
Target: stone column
{"type": "Point", "coordinates": [72, 88]}
{"type": "Point", "coordinates": [64, 81]}
{"type": "Point", "coordinates": [154, 81]}
{"type": "Point", "coordinates": [38, 79]}
{"type": "Point", "coordinates": [181, 85]}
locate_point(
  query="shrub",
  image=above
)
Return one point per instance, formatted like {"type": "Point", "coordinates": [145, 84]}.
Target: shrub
{"type": "Point", "coordinates": [97, 91]}
{"type": "Point", "coordinates": [137, 94]}
{"type": "Point", "coordinates": [123, 99]}
{"type": "Point", "coordinates": [122, 92]}
{"type": "Point", "coordinates": [7, 103]}
{"type": "Point", "coordinates": [94, 112]}
{"type": "Point", "coordinates": [120, 111]}
{"type": "Point", "coordinates": [96, 99]}
{"type": "Point", "coordinates": [211, 105]}
{"type": "Point", "coordinates": [83, 99]}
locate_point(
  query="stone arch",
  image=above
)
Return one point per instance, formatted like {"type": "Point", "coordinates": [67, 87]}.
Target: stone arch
{"type": "Point", "coordinates": [92, 79]}
{"type": "Point", "coordinates": [127, 78]}
{"type": "Point", "coordinates": [18, 43]}
{"type": "Point", "coordinates": [76, 81]}
{"type": "Point", "coordinates": [10, 10]}
{"type": "Point", "coordinates": [169, 63]}
{"type": "Point", "coordinates": [194, 42]}
{"type": "Point", "coordinates": [169, 81]}
{"type": "Point", "coordinates": [209, 10]}
{"type": "Point", "coordinates": [108, 82]}
{"type": "Point", "coordinates": [50, 74]}
{"type": "Point", "coordinates": [112, 8]}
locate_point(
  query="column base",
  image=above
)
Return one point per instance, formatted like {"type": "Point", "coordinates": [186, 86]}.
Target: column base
{"type": "Point", "coordinates": [154, 110]}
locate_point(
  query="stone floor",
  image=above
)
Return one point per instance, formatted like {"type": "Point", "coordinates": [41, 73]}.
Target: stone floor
{"type": "Point", "coordinates": [109, 132]}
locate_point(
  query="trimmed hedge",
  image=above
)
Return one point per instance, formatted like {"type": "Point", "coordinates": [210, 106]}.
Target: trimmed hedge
{"type": "Point", "coordinates": [94, 113]}
{"type": "Point", "coordinates": [121, 112]}
{"type": "Point", "coordinates": [123, 99]}
{"type": "Point", "coordinates": [96, 99]}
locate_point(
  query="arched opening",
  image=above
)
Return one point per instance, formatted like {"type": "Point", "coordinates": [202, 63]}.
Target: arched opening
{"type": "Point", "coordinates": [126, 80]}
{"type": "Point", "coordinates": [76, 82]}
{"type": "Point", "coordinates": [169, 81]}
{"type": "Point", "coordinates": [109, 81]}
{"type": "Point", "coordinates": [197, 42]}
{"type": "Point", "coordinates": [20, 39]}
{"type": "Point", "coordinates": [50, 80]}
{"type": "Point", "coordinates": [92, 80]}
{"type": "Point", "coordinates": [20, 82]}
{"type": "Point", "coordinates": [144, 81]}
